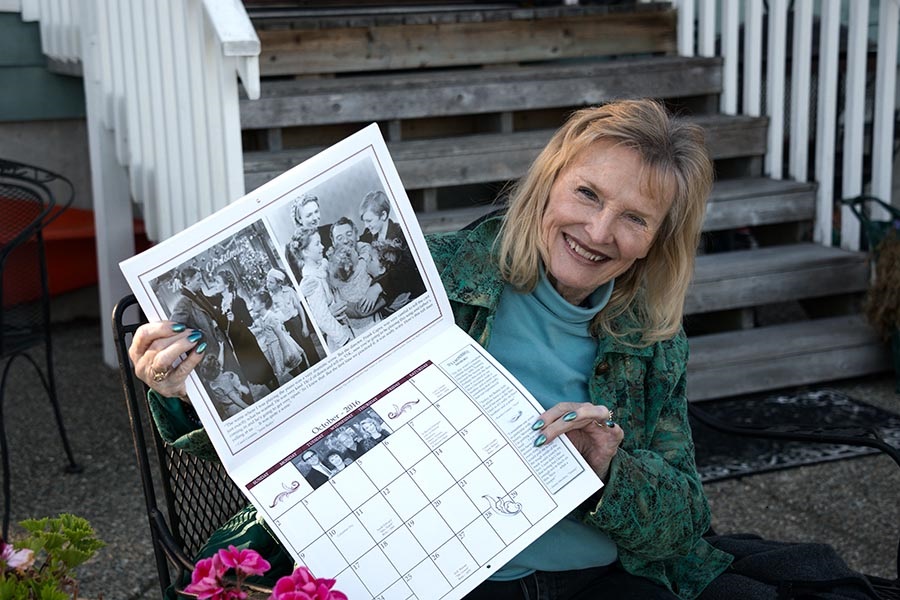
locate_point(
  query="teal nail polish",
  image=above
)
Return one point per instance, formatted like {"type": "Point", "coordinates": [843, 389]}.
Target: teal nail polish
{"type": "Point", "coordinates": [571, 416]}
{"type": "Point", "coordinates": [540, 441]}
{"type": "Point", "coordinates": [200, 348]}
{"type": "Point", "coordinates": [195, 336]}
{"type": "Point", "coordinates": [537, 425]}
{"type": "Point", "coordinates": [179, 327]}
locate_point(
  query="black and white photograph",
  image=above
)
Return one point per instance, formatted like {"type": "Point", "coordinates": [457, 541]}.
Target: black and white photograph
{"type": "Point", "coordinates": [257, 333]}
{"type": "Point", "coordinates": [341, 447]}
{"type": "Point", "coordinates": [347, 252]}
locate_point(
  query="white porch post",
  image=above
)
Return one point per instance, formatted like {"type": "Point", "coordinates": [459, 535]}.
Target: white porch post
{"type": "Point", "coordinates": [113, 221]}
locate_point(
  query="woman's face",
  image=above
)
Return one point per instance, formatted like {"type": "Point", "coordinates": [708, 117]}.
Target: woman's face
{"type": "Point", "coordinates": [369, 427]}
{"type": "Point", "coordinates": [313, 252]}
{"type": "Point", "coordinates": [598, 220]}
{"type": "Point", "coordinates": [309, 215]}
{"type": "Point", "coordinates": [374, 222]}
{"type": "Point", "coordinates": [373, 265]}
{"type": "Point", "coordinates": [336, 460]}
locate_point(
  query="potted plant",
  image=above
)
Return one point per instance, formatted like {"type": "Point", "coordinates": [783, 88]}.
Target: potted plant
{"type": "Point", "coordinates": [223, 577]}
{"type": "Point", "coordinates": [882, 304]}
{"type": "Point", "coordinates": [41, 565]}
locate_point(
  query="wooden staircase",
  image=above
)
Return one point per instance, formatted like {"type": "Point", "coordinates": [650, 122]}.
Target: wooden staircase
{"type": "Point", "coordinates": [467, 95]}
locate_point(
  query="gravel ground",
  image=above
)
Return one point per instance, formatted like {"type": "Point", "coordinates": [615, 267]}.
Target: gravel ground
{"type": "Point", "coordinates": [850, 504]}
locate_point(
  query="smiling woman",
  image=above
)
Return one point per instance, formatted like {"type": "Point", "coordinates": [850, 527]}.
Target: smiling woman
{"type": "Point", "coordinates": [623, 185]}
{"type": "Point", "coordinates": [578, 291]}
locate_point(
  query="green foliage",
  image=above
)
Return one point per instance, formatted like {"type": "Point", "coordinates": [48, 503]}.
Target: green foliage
{"type": "Point", "coordinates": [60, 545]}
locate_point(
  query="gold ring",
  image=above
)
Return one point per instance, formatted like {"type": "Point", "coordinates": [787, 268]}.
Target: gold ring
{"type": "Point", "coordinates": [160, 375]}
{"type": "Point", "coordinates": [610, 422]}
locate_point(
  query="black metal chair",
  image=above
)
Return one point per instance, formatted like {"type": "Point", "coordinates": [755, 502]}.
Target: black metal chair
{"type": "Point", "coordinates": [198, 495]}
{"type": "Point", "coordinates": [31, 198]}
{"type": "Point", "coordinates": [887, 589]}
{"type": "Point", "coordinates": [814, 434]}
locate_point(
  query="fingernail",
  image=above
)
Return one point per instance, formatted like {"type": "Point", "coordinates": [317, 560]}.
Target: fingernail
{"type": "Point", "coordinates": [541, 439]}
{"type": "Point", "coordinates": [537, 425]}
{"type": "Point", "coordinates": [195, 336]}
{"type": "Point", "coordinates": [179, 327]}
{"type": "Point", "coordinates": [200, 348]}
{"type": "Point", "coordinates": [571, 416]}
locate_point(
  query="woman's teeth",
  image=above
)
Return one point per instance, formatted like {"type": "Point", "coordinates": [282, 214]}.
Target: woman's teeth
{"type": "Point", "coordinates": [583, 252]}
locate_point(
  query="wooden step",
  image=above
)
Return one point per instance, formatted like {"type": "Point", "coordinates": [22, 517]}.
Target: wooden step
{"type": "Point", "coordinates": [734, 203]}
{"type": "Point", "coordinates": [485, 158]}
{"type": "Point", "coordinates": [745, 278]}
{"type": "Point", "coordinates": [386, 96]}
{"type": "Point", "coordinates": [752, 201]}
{"type": "Point", "coordinates": [768, 358]}
{"type": "Point", "coordinates": [363, 43]}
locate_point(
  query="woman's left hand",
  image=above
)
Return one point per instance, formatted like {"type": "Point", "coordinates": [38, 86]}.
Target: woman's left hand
{"type": "Point", "coordinates": [589, 427]}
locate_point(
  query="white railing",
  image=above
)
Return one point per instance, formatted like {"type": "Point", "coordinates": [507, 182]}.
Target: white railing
{"type": "Point", "coordinates": [167, 73]}
{"type": "Point", "coordinates": [700, 21]}
{"type": "Point", "coordinates": [161, 90]}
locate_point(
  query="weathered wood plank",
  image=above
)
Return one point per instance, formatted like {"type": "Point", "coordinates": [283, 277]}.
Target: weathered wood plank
{"type": "Point", "coordinates": [390, 47]}
{"type": "Point", "coordinates": [377, 13]}
{"type": "Point", "coordinates": [445, 93]}
{"type": "Point", "coordinates": [739, 264]}
{"type": "Point", "coordinates": [729, 137]}
{"type": "Point", "coordinates": [494, 157]}
{"type": "Point", "coordinates": [733, 203]}
{"type": "Point", "coordinates": [453, 219]}
{"type": "Point", "coordinates": [774, 274]}
{"type": "Point", "coordinates": [758, 201]}
{"type": "Point", "coordinates": [766, 358]}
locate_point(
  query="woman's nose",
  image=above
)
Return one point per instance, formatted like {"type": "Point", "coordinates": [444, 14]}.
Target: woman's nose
{"type": "Point", "coordinates": [601, 227]}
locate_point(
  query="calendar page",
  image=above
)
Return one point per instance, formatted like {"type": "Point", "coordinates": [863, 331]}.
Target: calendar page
{"type": "Point", "coordinates": [382, 445]}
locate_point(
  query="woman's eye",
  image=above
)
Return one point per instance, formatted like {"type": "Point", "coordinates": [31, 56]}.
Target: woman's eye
{"type": "Point", "coordinates": [638, 220]}
{"type": "Point", "coordinates": [587, 193]}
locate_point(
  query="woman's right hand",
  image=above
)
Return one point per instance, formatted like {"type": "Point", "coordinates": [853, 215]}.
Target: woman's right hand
{"type": "Point", "coordinates": [155, 350]}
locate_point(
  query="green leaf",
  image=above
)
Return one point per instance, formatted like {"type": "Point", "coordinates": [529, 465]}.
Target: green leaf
{"type": "Point", "coordinates": [63, 543]}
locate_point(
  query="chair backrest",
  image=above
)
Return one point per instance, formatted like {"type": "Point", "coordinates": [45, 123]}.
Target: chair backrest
{"type": "Point", "coordinates": [815, 433]}
{"type": "Point", "coordinates": [198, 495]}
{"type": "Point", "coordinates": [30, 198]}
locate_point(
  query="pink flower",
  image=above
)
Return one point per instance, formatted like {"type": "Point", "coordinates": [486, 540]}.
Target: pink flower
{"type": "Point", "coordinates": [301, 585]}
{"type": "Point", "coordinates": [226, 594]}
{"type": "Point", "coordinates": [16, 559]}
{"type": "Point", "coordinates": [206, 579]}
{"type": "Point", "coordinates": [248, 562]}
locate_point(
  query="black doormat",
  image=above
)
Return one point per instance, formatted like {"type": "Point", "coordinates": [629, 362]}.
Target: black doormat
{"type": "Point", "coordinates": [723, 456]}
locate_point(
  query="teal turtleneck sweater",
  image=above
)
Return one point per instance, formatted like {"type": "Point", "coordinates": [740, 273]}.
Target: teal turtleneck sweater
{"type": "Point", "coordinates": [543, 319]}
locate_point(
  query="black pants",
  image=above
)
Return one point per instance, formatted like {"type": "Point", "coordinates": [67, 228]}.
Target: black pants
{"type": "Point", "coordinates": [603, 583]}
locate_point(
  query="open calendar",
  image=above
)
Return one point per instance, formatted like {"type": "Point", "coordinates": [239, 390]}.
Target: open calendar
{"type": "Point", "coordinates": [384, 447]}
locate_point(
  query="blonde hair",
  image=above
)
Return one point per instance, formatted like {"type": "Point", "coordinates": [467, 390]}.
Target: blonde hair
{"type": "Point", "coordinates": [676, 166]}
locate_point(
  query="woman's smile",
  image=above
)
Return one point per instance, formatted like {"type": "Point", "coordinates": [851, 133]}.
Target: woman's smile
{"type": "Point", "coordinates": [584, 252]}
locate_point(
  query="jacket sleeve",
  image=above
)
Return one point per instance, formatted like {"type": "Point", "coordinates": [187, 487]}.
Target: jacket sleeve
{"type": "Point", "coordinates": [179, 426]}
{"type": "Point", "coordinates": [653, 505]}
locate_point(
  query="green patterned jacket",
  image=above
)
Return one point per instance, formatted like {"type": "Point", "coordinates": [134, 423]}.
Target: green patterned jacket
{"type": "Point", "coordinates": [653, 506]}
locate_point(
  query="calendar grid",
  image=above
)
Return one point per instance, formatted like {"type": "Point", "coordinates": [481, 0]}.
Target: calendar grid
{"type": "Point", "coordinates": [426, 508]}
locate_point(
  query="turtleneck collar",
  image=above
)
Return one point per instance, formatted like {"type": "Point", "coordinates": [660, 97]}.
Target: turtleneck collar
{"type": "Point", "coordinates": [551, 300]}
